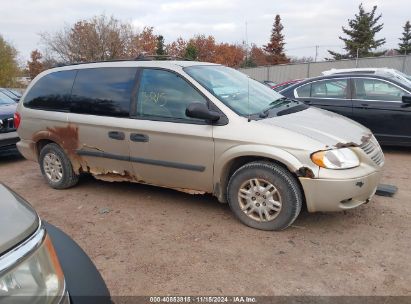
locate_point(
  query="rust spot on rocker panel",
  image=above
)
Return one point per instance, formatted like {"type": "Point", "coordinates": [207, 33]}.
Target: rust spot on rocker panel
{"type": "Point", "coordinates": [125, 176]}
{"type": "Point", "coordinates": [114, 176]}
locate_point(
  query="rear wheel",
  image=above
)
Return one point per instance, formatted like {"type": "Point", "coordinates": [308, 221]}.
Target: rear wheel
{"type": "Point", "coordinates": [265, 196]}
{"type": "Point", "coordinates": [56, 167]}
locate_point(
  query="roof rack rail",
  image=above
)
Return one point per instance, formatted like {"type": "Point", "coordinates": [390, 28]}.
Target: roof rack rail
{"type": "Point", "coordinates": [147, 57]}
{"type": "Point", "coordinates": [141, 57]}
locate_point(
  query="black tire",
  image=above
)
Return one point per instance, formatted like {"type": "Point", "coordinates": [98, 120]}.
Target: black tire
{"type": "Point", "coordinates": [69, 178]}
{"type": "Point", "coordinates": [287, 188]}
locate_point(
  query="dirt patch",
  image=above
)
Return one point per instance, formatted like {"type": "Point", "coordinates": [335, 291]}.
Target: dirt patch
{"type": "Point", "coordinates": [147, 240]}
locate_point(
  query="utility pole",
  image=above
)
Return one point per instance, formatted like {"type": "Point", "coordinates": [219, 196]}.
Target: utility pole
{"type": "Point", "coordinates": [316, 53]}
{"type": "Point", "coordinates": [356, 60]}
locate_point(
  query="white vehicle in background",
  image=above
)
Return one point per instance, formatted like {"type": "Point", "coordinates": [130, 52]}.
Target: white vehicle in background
{"type": "Point", "coordinates": [386, 72]}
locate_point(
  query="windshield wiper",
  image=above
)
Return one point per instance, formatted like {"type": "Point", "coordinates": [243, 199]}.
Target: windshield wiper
{"type": "Point", "coordinates": [264, 113]}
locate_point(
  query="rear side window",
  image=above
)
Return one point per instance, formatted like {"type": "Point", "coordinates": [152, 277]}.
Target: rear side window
{"type": "Point", "coordinates": [51, 92]}
{"type": "Point", "coordinates": [336, 88]}
{"type": "Point", "coordinates": [103, 91]}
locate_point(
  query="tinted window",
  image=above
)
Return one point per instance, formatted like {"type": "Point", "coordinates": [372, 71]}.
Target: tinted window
{"type": "Point", "coordinates": [330, 89]}
{"type": "Point", "coordinates": [304, 91]}
{"type": "Point", "coordinates": [374, 89]}
{"type": "Point", "coordinates": [103, 91]}
{"type": "Point", "coordinates": [51, 92]}
{"type": "Point", "coordinates": [166, 95]}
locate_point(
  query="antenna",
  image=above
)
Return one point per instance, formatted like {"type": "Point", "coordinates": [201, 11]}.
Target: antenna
{"type": "Point", "coordinates": [246, 37]}
{"type": "Point", "coordinates": [248, 98]}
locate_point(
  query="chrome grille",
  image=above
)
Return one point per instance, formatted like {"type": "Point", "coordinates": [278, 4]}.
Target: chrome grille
{"type": "Point", "coordinates": [7, 125]}
{"type": "Point", "coordinates": [373, 150]}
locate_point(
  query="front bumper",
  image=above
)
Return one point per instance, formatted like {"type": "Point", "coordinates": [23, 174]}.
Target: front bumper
{"type": "Point", "coordinates": [339, 194]}
{"type": "Point", "coordinates": [8, 139]}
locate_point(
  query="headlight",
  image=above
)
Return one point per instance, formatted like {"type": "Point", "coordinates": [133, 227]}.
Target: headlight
{"type": "Point", "coordinates": [343, 158]}
{"type": "Point", "coordinates": [38, 278]}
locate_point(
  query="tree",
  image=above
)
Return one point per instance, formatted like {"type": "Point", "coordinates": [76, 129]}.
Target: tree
{"type": "Point", "coordinates": [177, 48]}
{"type": "Point", "coordinates": [229, 54]}
{"type": "Point", "coordinates": [35, 65]}
{"type": "Point", "coordinates": [144, 42]}
{"type": "Point", "coordinates": [191, 52]}
{"type": "Point", "coordinates": [160, 46]}
{"type": "Point", "coordinates": [9, 68]}
{"type": "Point", "coordinates": [205, 46]}
{"type": "Point", "coordinates": [275, 48]}
{"type": "Point", "coordinates": [96, 39]}
{"type": "Point", "coordinates": [258, 55]}
{"type": "Point", "coordinates": [361, 35]}
{"type": "Point", "coordinates": [405, 45]}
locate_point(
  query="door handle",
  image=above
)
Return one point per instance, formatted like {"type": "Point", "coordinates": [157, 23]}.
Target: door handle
{"type": "Point", "coordinates": [116, 135]}
{"type": "Point", "coordinates": [139, 137]}
{"type": "Point", "coordinates": [364, 105]}
{"type": "Point", "coordinates": [307, 102]}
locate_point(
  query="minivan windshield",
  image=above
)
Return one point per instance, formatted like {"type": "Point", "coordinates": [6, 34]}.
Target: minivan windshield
{"type": "Point", "coordinates": [242, 94]}
{"type": "Point", "coordinates": [5, 100]}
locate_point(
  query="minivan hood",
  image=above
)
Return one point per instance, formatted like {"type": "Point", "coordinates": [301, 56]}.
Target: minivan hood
{"type": "Point", "coordinates": [331, 129]}
{"type": "Point", "coordinates": [18, 219]}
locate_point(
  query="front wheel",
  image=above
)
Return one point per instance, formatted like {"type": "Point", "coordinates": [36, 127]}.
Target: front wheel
{"type": "Point", "coordinates": [265, 196]}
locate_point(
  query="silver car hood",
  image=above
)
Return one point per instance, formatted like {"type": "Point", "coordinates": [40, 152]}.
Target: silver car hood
{"type": "Point", "coordinates": [328, 128]}
{"type": "Point", "coordinates": [18, 219]}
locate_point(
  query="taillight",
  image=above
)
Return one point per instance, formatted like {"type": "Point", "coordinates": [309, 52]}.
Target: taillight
{"type": "Point", "coordinates": [17, 120]}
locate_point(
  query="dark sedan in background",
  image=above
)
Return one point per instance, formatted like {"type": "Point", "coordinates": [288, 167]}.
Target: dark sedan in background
{"type": "Point", "coordinates": [382, 104]}
{"type": "Point", "coordinates": [8, 134]}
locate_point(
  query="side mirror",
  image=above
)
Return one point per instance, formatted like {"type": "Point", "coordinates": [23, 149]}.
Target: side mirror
{"type": "Point", "coordinates": [406, 101]}
{"type": "Point", "coordinates": [201, 111]}
{"type": "Point", "coordinates": [406, 98]}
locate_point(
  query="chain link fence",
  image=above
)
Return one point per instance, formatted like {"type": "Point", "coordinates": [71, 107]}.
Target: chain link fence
{"type": "Point", "coordinates": [283, 72]}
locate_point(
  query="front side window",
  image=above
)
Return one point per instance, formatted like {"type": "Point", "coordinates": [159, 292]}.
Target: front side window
{"type": "Point", "coordinates": [165, 95]}
{"type": "Point", "coordinates": [103, 91]}
{"type": "Point", "coordinates": [242, 94]}
{"type": "Point", "coordinates": [375, 89]}
{"type": "Point", "coordinates": [304, 91]}
{"type": "Point", "coordinates": [51, 92]}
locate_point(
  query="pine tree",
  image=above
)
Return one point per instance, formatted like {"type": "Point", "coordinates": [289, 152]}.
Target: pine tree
{"type": "Point", "coordinates": [405, 45]}
{"type": "Point", "coordinates": [361, 35]}
{"type": "Point", "coordinates": [160, 46]}
{"type": "Point", "coordinates": [275, 48]}
{"type": "Point", "coordinates": [191, 52]}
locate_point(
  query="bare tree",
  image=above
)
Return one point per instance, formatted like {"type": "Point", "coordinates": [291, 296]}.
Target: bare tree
{"type": "Point", "coordinates": [96, 39]}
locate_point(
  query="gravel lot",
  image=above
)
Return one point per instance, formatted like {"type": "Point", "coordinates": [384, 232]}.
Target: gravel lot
{"type": "Point", "coordinates": [150, 241]}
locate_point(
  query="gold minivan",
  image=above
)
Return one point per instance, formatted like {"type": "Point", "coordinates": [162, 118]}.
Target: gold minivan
{"type": "Point", "coordinates": [200, 128]}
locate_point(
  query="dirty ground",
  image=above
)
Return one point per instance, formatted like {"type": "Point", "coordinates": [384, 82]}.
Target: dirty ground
{"type": "Point", "coordinates": [150, 241]}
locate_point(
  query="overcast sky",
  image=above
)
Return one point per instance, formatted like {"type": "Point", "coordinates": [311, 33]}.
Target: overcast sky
{"type": "Point", "coordinates": [306, 23]}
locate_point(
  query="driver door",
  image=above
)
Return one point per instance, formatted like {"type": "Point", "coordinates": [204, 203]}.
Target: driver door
{"type": "Point", "coordinates": [377, 105]}
{"type": "Point", "coordinates": [167, 148]}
